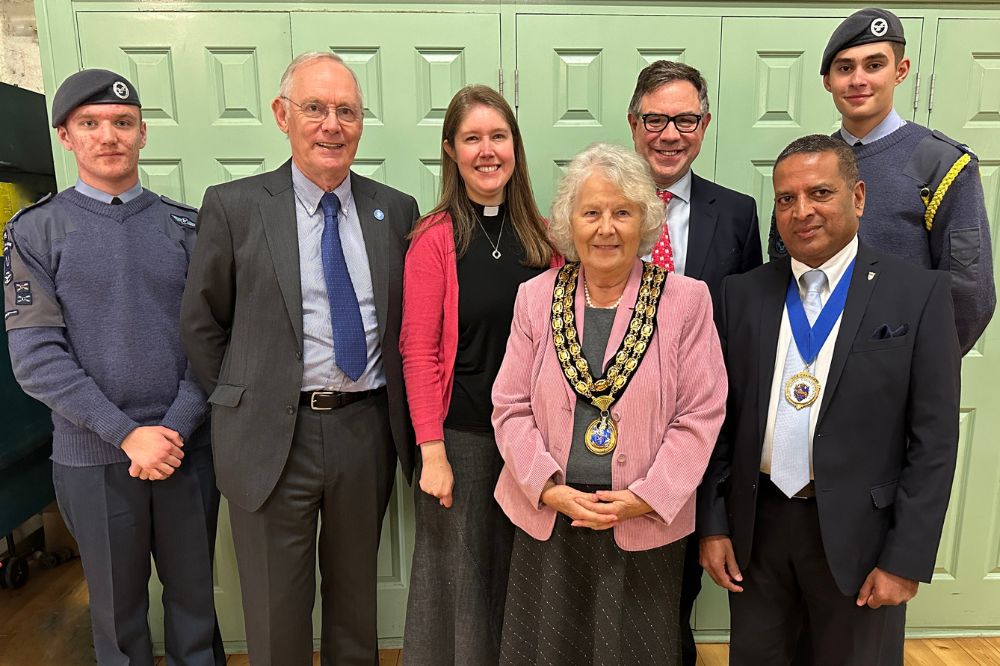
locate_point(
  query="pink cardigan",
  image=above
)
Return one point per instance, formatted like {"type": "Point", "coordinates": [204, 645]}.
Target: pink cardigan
{"type": "Point", "coordinates": [428, 339]}
{"type": "Point", "coordinates": [668, 417]}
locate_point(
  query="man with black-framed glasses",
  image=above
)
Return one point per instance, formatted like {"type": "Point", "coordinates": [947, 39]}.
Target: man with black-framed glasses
{"type": "Point", "coordinates": [710, 231]}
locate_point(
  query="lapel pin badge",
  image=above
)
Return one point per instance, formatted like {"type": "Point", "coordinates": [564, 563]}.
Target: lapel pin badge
{"type": "Point", "coordinates": [378, 214]}
{"type": "Point", "coordinates": [871, 276]}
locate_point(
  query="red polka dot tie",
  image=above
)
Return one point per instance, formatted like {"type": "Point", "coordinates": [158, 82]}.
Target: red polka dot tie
{"type": "Point", "coordinates": [663, 255]}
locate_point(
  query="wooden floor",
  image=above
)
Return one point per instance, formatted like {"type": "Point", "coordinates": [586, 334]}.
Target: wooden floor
{"type": "Point", "coordinates": [48, 622]}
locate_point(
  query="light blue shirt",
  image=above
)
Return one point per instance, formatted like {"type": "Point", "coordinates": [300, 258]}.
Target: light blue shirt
{"type": "Point", "coordinates": [320, 370]}
{"type": "Point", "coordinates": [104, 197]}
{"type": "Point", "coordinates": [678, 221]}
{"type": "Point", "coordinates": [889, 124]}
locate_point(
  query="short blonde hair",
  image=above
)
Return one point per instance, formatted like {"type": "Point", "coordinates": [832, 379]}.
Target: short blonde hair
{"type": "Point", "coordinates": [626, 171]}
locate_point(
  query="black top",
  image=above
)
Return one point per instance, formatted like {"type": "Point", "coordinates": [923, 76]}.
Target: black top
{"type": "Point", "coordinates": [487, 288]}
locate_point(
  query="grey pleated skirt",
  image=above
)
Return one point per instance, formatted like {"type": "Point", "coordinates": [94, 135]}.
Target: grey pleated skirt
{"type": "Point", "coordinates": [461, 558]}
{"type": "Point", "coordinates": [578, 599]}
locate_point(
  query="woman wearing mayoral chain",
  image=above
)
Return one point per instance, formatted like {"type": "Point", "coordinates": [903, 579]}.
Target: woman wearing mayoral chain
{"type": "Point", "coordinates": [463, 268]}
{"type": "Point", "coordinates": [606, 408]}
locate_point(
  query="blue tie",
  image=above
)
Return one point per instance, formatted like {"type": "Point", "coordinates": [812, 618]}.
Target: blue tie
{"type": "Point", "coordinates": [790, 442]}
{"type": "Point", "coordinates": [349, 345]}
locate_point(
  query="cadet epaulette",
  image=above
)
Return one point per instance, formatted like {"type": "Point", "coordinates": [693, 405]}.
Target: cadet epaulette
{"type": "Point", "coordinates": [168, 200]}
{"type": "Point", "coordinates": [38, 203]}
{"type": "Point", "coordinates": [936, 162]}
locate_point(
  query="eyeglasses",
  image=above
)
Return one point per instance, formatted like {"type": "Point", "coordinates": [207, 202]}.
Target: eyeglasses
{"type": "Point", "coordinates": [314, 110]}
{"type": "Point", "coordinates": [684, 122]}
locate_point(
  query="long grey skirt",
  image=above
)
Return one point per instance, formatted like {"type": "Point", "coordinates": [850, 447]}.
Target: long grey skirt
{"type": "Point", "coordinates": [578, 599]}
{"type": "Point", "coordinates": [461, 558]}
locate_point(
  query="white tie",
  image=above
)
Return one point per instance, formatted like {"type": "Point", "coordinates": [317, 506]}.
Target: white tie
{"type": "Point", "coordinates": [790, 445]}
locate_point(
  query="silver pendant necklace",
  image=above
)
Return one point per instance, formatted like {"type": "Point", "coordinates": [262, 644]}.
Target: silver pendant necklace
{"type": "Point", "coordinates": [496, 246]}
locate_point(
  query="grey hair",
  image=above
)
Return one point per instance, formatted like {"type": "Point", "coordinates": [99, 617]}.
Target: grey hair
{"type": "Point", "coordinates": [285, 85]}
{"type": "Point", "coordinates": [626, 171]}
{"type": "Point", "coordinates": [662, 72]}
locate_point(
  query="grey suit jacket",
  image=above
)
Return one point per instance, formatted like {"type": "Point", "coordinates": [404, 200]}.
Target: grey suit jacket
{"type": "Point", "coordinates": [241, 321]}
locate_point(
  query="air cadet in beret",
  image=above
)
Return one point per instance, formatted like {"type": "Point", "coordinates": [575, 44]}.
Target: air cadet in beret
{"type": "Point", "coordinates": [93, 278]}
{"type": "Point", "coordinates": [924, 194]}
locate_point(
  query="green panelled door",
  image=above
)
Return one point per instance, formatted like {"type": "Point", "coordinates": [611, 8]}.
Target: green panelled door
{"type": "Point", "coordinates": [771, 93]}
{"type": "Point", "coordinates": [205, 81]}
{"type": "Point", "coordinates": [966, 588]}
{"type": "Point", "coordinates": [576, 76]}
{"type": "Point", "coordinates": [207, 78]}
{"type": "Point", "coordinates": [409, 67]}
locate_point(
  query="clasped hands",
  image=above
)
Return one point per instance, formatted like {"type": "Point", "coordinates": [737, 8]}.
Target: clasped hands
{"type": "Point", "coordinates": [155, 452]}
{"type": "Point", "coordinates": [598, 511]}
{"type": "Point", "coordinates": [880, 588]}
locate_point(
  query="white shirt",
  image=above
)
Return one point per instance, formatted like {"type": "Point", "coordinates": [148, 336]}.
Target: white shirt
{"type": "Point", "coordinates": [678, 218]}
{"type": "Point", "coordinates": [834, 269]}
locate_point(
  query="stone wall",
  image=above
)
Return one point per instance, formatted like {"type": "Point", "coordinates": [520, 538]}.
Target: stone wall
{"type": "Point", "coordinates": [20, 59]}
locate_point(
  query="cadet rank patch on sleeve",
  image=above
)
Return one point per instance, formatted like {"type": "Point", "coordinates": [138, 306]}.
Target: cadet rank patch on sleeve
{"type": "Point", "coordinates": [28, 302]}
{"type": "Point", "coordinates": [22, 293]}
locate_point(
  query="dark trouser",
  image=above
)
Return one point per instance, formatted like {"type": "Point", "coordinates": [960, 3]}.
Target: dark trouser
{"type": "Point", "coordinates": [339, 475]}
{"type": "Point", "coordinates": [690, 588]}
{"type": "Point", "coordinates": [118, 521]}
{"type": "Point", "coordinates": [789, 577]}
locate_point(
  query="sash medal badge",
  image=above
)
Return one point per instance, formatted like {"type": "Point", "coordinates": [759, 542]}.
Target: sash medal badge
{"type": "Point", "coordinates": [802, 389]}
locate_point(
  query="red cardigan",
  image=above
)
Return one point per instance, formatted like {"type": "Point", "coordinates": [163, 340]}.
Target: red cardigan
{"type": "Point", "coordinates": [428, 340]}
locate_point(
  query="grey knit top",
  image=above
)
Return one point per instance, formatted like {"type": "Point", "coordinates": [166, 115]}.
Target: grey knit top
{"type": "Point", "coordinates": [92, 308]}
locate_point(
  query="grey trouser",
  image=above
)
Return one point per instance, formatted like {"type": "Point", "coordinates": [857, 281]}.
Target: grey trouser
{"type": "Point", "coordinates": [118, 521]}
{"type": "Point", "coordinates": [338, 478]}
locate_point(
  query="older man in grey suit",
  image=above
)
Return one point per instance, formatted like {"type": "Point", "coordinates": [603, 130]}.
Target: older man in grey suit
{"type": "Point", "coordinates": [291, 320]}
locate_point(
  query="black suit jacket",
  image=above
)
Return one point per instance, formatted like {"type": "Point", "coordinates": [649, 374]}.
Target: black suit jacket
{"type": "Point", "coordinates": [241, 320]}
{"type": "Point", "coordinates": [887, 433]}
{"type": "Point", "coordinates": [723, 237]}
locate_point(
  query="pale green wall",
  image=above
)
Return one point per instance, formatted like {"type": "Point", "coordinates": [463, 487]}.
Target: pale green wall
{"type": "Point", "coordinates": [207, 71]}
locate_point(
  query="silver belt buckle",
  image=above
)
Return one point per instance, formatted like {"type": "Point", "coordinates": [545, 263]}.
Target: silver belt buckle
{"type": "Point", "coordinates": [312, 401]}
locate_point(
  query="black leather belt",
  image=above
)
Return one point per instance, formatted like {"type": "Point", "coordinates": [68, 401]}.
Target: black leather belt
{"type": "Point", "coordinates": [324, 401]}
{"type": "Point", "coordinates": [807, 493]}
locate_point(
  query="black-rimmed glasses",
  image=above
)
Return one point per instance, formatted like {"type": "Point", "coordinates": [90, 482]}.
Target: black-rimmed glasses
{"type": "Point", "coordinates": [684, 122]}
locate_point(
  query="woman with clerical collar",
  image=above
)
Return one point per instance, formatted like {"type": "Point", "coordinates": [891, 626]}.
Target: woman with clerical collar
{"type": "Point", "coordinates": [606, 408]}
{"type": "Point", "coordinates": [466, 260]}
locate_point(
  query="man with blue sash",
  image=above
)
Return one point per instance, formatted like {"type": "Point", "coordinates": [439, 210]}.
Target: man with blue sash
{"type": "Point", "coordinates": [827, 490]}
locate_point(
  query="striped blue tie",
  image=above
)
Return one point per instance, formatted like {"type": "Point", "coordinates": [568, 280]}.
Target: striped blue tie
{"type": "Point", "coordinates": [349, 345]}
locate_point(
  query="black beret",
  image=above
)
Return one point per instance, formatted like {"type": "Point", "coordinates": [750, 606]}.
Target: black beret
{"type": "Point", "coordinates": [91, 86]}
{"type": "Point", "coordinates": [862, 27]}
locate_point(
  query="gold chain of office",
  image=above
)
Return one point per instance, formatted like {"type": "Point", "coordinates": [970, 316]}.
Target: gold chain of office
{"type": "Point", "coordinates": [602, 435]}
